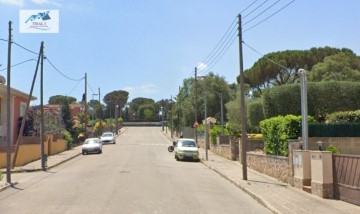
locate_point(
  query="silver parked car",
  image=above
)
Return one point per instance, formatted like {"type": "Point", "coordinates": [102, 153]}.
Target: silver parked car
{"type": "Point", "coordinates": [108, 137]}
{"type": "Point", "coordinates": [92, 145]}
{"type": "Point", "coordinates": [186, 149]}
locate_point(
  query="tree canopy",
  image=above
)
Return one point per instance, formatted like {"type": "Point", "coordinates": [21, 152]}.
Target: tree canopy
{"type": "Point", "coordinates": [60, 99]}
{"type": "Point", "coordinates": [281, 67]}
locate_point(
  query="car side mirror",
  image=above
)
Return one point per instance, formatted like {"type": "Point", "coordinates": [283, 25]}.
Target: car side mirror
{"type": "Point", "coordinates": [174, 143]}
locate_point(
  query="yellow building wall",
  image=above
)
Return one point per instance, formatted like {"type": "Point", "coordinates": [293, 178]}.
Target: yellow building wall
{"type": "Point", "coordinates": [31, 152]}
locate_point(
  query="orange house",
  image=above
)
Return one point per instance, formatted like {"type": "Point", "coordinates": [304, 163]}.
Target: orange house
{"type": "Point", "coordinates": [18, 102]}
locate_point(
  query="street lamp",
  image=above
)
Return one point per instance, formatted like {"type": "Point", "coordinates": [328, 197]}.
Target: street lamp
{"type": "Point", "coordinates": [116, 119]}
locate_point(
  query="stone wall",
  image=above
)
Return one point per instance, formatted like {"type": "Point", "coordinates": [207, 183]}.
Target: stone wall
{"type": "Point", "coordinates": [275, 166]}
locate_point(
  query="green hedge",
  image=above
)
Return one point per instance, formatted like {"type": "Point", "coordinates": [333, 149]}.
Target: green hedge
{"type": "Point", "coordinates": [345, 117]}
{"type": "Point", "coordinates": [278, 130]}
{"type": "Point", "coordinates": [323, 98]}
{"type": "Point", "coordinates": [334, 130]}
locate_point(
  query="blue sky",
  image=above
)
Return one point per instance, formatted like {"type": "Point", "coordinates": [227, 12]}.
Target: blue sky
{"type": "Point", "coordinates": [148, 47]}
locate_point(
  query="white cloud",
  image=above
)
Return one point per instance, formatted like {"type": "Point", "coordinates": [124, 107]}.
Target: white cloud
{"type": "Point", "coordinates": [202, 66]}
{"type": "Point", "coordinates": [146, 89]}
{"type": "Point", "coordinates": [19, 3]}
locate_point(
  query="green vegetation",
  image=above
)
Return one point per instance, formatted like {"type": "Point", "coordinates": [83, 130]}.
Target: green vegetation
{"type": "Point", "coordinates": [278, 130]}
{"type": "Point", "coordinates": [333, 149]}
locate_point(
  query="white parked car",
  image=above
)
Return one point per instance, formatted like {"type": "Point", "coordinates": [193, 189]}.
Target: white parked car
{"type": "Point", "coordinates": [92, 145]}
{"type": "Point", "coordinates": [186, 149]}
{"type": "Point", "coordinates": [108, 137]}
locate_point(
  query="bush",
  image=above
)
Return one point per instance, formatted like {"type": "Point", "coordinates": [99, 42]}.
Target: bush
{"type": "Point", "coordinates": [278, 130]}
{"type": "Point", "coordinates": [68, 138]}
{"type": "Point", "coordinates": [344, 117]}
{"type": "Point", "coordinates": [333, 149]}
{"type": "Point", "coordinates": [216, 131]}
{"type": "Point", "coordinates": [323, 99]}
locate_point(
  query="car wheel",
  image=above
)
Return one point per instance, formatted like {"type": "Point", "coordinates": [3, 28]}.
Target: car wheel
{"type": "Point", "coordinates": [84, 153]}
{"type": "Point", "coordinates": [100, 151]}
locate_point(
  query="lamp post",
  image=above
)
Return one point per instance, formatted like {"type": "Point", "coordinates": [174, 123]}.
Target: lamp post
{"type": "Point", "coordinates": [116, 119]}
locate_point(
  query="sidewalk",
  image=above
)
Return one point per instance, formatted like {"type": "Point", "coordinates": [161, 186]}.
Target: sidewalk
{"type": "Point", "coordinates": [275, 195]}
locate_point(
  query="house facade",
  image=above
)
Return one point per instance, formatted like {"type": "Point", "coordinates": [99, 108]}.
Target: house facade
{"type": "Point", "coordinates": [18, 102]}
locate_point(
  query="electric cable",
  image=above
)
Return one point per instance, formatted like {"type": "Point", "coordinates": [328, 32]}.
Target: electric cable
{"type": "Point", "coordinates": [268, 17]}
{"type": "Point", "coordinates": [267, 58]}
{"type": "Point", "coordinates": [20, 63]}
{"type": "Point", "coordinates": [72, 90]}
{"type": "Point", "coordinates": [47, 59]}
{"type": "Point", "coordinates": [25, 48]}
{"type": "Point", "coordinates": [262, 12]}
{"type": "Point", "coordinates": [255, 9]}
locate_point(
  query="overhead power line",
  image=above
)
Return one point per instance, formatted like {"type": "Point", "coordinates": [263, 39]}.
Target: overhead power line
{"type": "Point", "coordinates": [248, 6]}
{"type": "Point", "coordinates": [74, 88]}
{"type": "Point", "coordinates": [47, 59]}
{"type": "Point", "coordinates": [255, 9]}
{"type": "Point", "coordinates": [91, 88]}
{"type": "Point", "coordinates": [265, 57]}
{"type": "Point", "coordinates": [25, 48]}
{"type": "Point", "coordinates": [219, 44]}
{"type": "Point", "coordinates": [261, 12]}
{"type": "Point", "coordinates": [20, 63]}
{"type": "Point", "coordinates": [269, 16]}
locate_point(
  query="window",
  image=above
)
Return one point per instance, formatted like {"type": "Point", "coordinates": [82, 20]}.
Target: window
{"type": "Point", "coordinates": [22, 109]}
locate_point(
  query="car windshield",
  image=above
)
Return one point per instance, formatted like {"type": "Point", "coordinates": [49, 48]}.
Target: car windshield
{"type": "Point", "coordinates": [91, 141]}
{"type": "Point", "coordinates": [187, 144]}
{"type": "Point", "coordinates": [107, 135]}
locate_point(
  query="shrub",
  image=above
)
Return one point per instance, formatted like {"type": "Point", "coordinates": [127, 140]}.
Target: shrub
{"type": "Point", "coordinates": [68, 138]}
{"type": "Point", "coordinates": [278, 130]}
{"type": "Point", "coordinates": [333, 149]}
{"type": "Point", "coordinates": [216, 131]}
{"type": "Point", "coordinates": [344, 117]}
{"type": "Point", "coordinates": [323, 99]}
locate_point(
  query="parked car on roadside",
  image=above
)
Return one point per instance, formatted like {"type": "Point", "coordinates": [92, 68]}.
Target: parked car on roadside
{"type": "Point", "coordinates": [108, 137]}
{"type": "Point", "coordinates": [186, 149]}
{"type": "Point", "coordinates": [91, 145]}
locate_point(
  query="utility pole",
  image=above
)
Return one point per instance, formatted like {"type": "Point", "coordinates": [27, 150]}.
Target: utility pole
{"type": "Point", "coordinates": [222, 113]}
{"type": "Point", "coordinates": [101, 129]}
{"type": "Point", "coordinates": [206, 123]}
{"type": "Point", "coordinates": [8, 124]}
{"type": "Point", "coordinates": [42, 130]}
{"type": "Point", "coordinates": [171, 116]}
{"type": "Point", "coordinates": [179, 114]}
{"type": "Point", "coordinates": [242, 104]}
{"type": "Point", "coordinates": [162, 118]}
{"type": "Point", "coordinates": [196, 118]}
{"type": "Point", "coordinates": [85, 110]}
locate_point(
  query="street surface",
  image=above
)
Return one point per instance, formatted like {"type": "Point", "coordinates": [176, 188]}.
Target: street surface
{"type": "Point", "coordinates": [136, 175]}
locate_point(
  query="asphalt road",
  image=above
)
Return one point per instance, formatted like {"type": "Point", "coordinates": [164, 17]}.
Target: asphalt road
{"type": "Point", "coordinates": [136, 175]}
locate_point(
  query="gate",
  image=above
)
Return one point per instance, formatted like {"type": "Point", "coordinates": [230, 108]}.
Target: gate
{"type": "Point", "coordinates": [347, 178]}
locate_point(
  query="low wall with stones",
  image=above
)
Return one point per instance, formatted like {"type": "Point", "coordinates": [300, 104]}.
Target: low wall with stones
{"type": "Point", "coordinates": [275, 166]}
